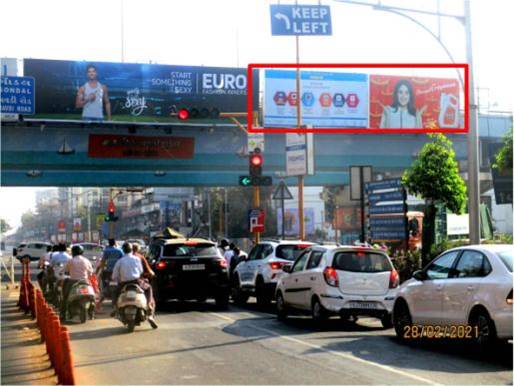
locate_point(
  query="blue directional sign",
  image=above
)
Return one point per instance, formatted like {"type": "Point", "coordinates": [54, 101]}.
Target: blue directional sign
{"type": "Point", "coordinates": [397, 221]}
{"type": "Point", "coordinates": [389, 196]}
{"type": "Point", "coordinates": [385, 184]}
{"type": "Point", "coordinates": [307, 20]}
{"type": "Point", "coordinates": [18, 95]}
{"type": "Point", "coordinates": [387, 209]}
{"type": "Point", "coordinates": [388, 235]}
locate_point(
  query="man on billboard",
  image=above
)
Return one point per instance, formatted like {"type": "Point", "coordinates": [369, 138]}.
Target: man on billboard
{"type": "Point", "coordinates": [92, 97]}
{"type": "Point", "coordinates": [402, 113]}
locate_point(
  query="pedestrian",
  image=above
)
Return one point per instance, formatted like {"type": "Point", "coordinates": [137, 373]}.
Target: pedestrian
{"type": "Point", "coordinates": [229, 253]}
{"type": "Point", "coordinates": [223, 246]}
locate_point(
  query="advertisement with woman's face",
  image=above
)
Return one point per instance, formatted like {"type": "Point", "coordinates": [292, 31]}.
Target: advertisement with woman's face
{"type": "Point", "coordinates": [413, 102]}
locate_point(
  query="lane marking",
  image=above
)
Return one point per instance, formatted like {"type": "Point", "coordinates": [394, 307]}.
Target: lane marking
{"type": "Point", "coordinates": [336, 353]}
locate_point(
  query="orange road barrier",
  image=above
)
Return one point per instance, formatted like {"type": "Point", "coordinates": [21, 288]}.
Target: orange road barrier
{"type": "Point", "coordinates": [53, 334]}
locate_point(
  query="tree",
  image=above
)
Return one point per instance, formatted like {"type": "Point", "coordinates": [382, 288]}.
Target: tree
{"type": "Point", "coordinates": [503, 160]}
{"type": "Point", "coordinates": [4, 226]}
{"type": "Point", "coordinates": [434, 176]}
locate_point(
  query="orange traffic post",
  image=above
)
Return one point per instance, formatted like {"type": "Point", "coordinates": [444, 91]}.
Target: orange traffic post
{"type": "Point", "coordinates": [69, 376]}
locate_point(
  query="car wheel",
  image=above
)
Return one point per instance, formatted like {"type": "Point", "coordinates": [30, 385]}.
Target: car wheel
{"type": "Point", "coordinates": [281, 307]}
{"type": "Point", "coordinates": [484, 329]}
{"type": "Point", "coordinates": [238, 295]}
{"type": "Point", "coordinates": [386, 321]}
{"type": "Point", "coordinates": [401, 320]}
{"type": "Point", "coordinates": [263, 297]}
{"type": "Point", "coordinates": [319, 313]}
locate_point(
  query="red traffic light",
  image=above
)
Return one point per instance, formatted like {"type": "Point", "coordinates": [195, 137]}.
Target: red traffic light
{"type": "Point", "coordinates": [256, 160]}
{"type": "Point", "coordinates": [111, 208]}
{"type": "Point", "coordinates": [183, 114]}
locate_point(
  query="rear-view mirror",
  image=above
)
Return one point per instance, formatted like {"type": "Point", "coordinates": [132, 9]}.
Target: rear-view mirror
{"type": "Point", "coordinates": [419, 275]}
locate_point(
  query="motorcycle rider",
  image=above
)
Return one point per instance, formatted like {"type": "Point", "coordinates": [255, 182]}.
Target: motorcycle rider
{"type": "Point", "coordinates": [79, 268]}
{"type": "Point", "coordinates": [41, 265]}
{"type": "Point", "coordinates": [110, 256]}
{"type": "Point", "coordinates": [129, 269]}
{"type": "Point", "coordinates": [60, 257]}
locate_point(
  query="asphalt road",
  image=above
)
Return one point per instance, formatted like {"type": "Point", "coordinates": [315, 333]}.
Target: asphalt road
{"type": "Point", "coordinates": [197, 344]}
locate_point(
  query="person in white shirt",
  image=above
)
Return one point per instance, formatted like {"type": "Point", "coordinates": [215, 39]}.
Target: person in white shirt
{"type": "Point", "coordinates": [130, 269]}
{"type": "Point", "coordinates": [80, 269]}
{"type": "Point", "coordinates": [41, 265]}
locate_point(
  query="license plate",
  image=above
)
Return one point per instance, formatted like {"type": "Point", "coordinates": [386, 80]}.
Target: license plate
{"type": "Point", "coordinates": [193, 267]}
{"type": "Point", "coordinates": [364, 305]}
{"type": "Point", "coordinates": [131, 294]}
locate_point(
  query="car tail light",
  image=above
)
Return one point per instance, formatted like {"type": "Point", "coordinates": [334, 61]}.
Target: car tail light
{"type": "Point", "coordinates": [331, 278]}
{"type": "Point", "coordinates": [161, 265]}
{"type": "Point", "coordinates": [509, 298]}
{"type": "Point", "coordinates": [223, 263]}
{"type": "Point", "coordinates": [394, 279]}
{"type": "Point", "coordinates": [276, 265]}
{"type": "Point", "coordinates": [189, 242]}
{"type": "Point", "coordinates": [84, 291]}
{"type": "Point", "coordinates": [303, 246]}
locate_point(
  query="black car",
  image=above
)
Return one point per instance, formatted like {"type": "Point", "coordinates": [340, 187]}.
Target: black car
{"type": "Point", "coordinates": [188, 269]}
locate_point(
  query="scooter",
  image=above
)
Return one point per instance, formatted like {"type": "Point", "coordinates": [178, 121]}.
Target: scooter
{"type": "Point", "coordinates": [81, 302]}
{"type": "Point", "coordinates": [132, 307]}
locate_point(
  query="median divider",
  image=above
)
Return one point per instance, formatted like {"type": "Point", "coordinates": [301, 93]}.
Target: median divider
{"type": "Point", "coordinates": [53, 334]}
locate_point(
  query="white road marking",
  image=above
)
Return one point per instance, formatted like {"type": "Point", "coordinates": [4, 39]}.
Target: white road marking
{"type": "Point", "coordinates": [336, 353]}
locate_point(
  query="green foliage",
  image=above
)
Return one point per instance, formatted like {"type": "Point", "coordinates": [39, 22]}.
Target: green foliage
{"type": "Point", "coordinates": [504, 156]}
{"type": "Point", "coordinates": [444, 245]}
{"type": "Point", "coordinates": [407, 264]}
{"type": "Point", "coordinates": [4, 226]}
{"type": "Point", "coordinates": [434, 175]}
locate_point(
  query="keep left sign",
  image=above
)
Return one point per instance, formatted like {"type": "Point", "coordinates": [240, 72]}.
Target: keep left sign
{"type": "Point", "coordinates": [310, 20]}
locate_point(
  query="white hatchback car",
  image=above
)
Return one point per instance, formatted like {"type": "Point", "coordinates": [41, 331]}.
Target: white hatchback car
{"type": "Point", "coordinates": [258, 273]}
{"type": "Point", "coordinates": [464, 293]}
{"type": "Point", "coordinates": [346, 280]}
{"type": "Point", "coordinates": [34, 250]}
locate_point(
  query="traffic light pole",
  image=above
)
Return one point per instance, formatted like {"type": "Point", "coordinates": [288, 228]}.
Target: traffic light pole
{"type": "Point", "coordinates": [301, 227]}
{"type": "Point", "coordinates": [111, 223]}
{"type": "Point", "coordinates": [257, 193]}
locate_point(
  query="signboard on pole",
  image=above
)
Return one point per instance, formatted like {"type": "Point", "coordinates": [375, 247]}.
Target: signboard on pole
{"type": "Point", "coordinates": [355, 180]}
{"type": "Point", "coordinates": [307, 20]}
{"type": "Point", "coordinates": [77, 224]}
{"type": "Point", "coordinates": [61, 226]}
{"type": "Point", "coordinates": [255, 141]}
{"type": "Point", "coordinates": [282, 192]}
{"type": "Point", "coordinates": [299, 154]}
{"type": "Point", "coordinates": [256, 220]}
{"type": "Point", "coordinates": [18, 95]}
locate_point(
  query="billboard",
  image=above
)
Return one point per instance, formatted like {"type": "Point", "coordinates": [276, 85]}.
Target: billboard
{"type": "Point", "coordinates": [399, 102]}
{"type": "Point", "coordinates": [328, 99]}
{"type": "Point", "coordinates": [132, 92]}
{"type": "Point", "coordinates": [292, 222]}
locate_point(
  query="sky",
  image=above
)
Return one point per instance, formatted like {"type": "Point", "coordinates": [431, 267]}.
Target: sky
{"type": "Point", "coordinates": [237, 32]}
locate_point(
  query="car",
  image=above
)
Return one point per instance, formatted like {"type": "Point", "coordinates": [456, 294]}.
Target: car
{"type": "Point", "coordinates": [189, 268]}
{"type": "Point", "coordinates": [258, 273]}
{"type": "Point", "coordinates": [348, 281]}
{"type": "Point", "coordinates": [34, 250]}
{"type": "Point", "coordinates": [93, 252]}
{"type": "Point", "coordinates": [465, 292]}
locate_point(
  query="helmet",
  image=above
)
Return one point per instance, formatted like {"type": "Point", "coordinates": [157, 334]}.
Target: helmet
{"type": "Point", "coordinates": [77, 250]}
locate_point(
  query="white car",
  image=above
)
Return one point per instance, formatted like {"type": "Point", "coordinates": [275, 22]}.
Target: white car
{"type": "Point", "coordinates": [339, 280]}
{"type": "Point", "coordinates": [258, 273]}
{"type": "Point", "coordinates": [34, 250]}
{"type": "Point", "coordinates": [464, 293]}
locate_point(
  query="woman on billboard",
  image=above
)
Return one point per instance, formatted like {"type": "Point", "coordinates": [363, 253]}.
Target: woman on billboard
{"type": "Point", "coordinates": [402, 113]}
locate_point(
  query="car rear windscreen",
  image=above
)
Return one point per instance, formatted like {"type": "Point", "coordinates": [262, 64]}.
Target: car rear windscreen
{"type": "Point", "coordinates": [289, 252]}
{"type": "Point", "coordinates": [506, 257]}
{"type": "Point", "coordinates": [196, 250]}
{"type": "Point", "coordinates": [361, 262]}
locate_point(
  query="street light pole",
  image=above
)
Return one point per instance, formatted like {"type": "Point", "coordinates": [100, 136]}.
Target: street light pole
{"type": "Point", "coordinates": [473, 165]}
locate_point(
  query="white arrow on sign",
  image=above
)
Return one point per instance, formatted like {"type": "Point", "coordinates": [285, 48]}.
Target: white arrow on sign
{"type": "Point", "coordinates": [281, 16]}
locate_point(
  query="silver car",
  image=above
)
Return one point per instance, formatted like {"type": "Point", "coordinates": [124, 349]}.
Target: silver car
{"type": "Point", "coordinates": [464, 293]}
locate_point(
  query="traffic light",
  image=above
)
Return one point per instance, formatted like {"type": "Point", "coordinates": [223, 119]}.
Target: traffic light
{"type": "Point", "coordinates": [111, 217]}
{"type": "Point", "coordinates": [255, 164]}
{"type": "Point", "coordinates": [187, 113]}
{"type": "Point", "coordinates": [255, 177]}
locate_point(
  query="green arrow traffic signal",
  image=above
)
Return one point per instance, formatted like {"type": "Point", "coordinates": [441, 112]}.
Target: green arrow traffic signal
{"type": "Point", "coordinates": [245, 180]}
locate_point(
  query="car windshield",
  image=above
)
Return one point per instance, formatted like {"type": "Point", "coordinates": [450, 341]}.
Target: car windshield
{"type": "Point", "coordinates": [290, 252]}
{"type": "Point", "coordinates": [506, 257]}
{"type": "Point", "coordinates": [178, 250]}
{"type": "Point", "coordinates": [358, 261]}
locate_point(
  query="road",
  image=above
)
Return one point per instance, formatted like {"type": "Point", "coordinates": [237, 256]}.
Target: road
{"type": "Point", "coordinates": [197, 344]}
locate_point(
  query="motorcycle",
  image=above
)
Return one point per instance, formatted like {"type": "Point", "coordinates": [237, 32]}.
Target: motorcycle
{"type": "Point", "coordinates": [58, 276]}
{"type": "Point", "coordinates": [132, 307]}
{"type": "Point", "coordinates": [81, 302]}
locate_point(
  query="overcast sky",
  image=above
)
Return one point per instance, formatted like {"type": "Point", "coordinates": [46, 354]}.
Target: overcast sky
{"type": "Point", "coordinates": [237, 32]}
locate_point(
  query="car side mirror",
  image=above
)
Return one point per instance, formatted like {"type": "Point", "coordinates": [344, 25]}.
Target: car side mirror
{"type": "Point", "coordinates": [287, 268]}
{"type": "Point", "coordinates": [419, 275]}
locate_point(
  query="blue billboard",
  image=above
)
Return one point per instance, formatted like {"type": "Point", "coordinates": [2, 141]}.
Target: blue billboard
{"type": "Point", "coordinates": [132, 91]}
